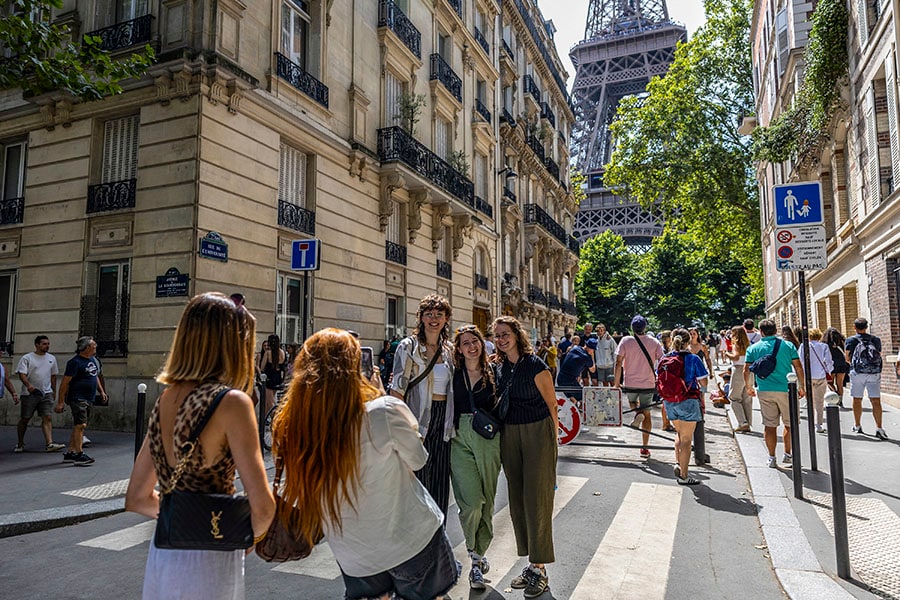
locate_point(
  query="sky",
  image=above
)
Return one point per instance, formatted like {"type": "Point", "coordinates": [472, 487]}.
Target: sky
{"type": "Point", "coordinates": [569, 17]}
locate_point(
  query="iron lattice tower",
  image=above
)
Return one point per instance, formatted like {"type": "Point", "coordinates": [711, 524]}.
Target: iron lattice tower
{"type": "Point", "coordinates": [626, 43]}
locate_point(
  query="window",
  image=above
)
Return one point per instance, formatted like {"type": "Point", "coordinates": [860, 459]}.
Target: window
{"type": "Point", "coordinates": [7, 311]}
{"type": "Point", "coordinates": [481, 183]}
{"type": "Point", "coordinates": [292, 176]}
{"type": "Point", "coordinates": [110, 12]}
{"type": "Point", "coordinates": [781, 40]}
{"type": "Point", "coordinates": [442, 145]}
{"type": "Point", "coordinates": [394, 232]}
{"type": "Point", "coordinates": [12, 180]}
{"type": "Point", "coordinates": [105, 307]}
{"type": "Point", "coordinates": [445, 48]}
{"type": "Point", "coordinates": [394, 311]}
{"type": "Point", "coordinates": [291, 309]}
{"type": "Point", "coordinates": [393, 91]}
{"type": "Point", "coordinates": [295, 22]}
{"type": "Point", "coordinates": [120, 149]}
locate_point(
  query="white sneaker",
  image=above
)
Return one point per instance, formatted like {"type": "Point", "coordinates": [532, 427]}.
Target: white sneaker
{"type": "Point", "coordinates": [638, 419]}
{"type": "Point", "coordinates": [787, 459]}
{"type": "Point", "coordinates": [19, 448]}
{"type": "Point", "coordinates": [773, 464]}
{"type": "Point", "coordinates": [857, 429]}
{"type": "Point", "coordinates": [880, 434]}
{"type": "Point", "coordinates": [820, 429]}
{"type": "Point", "coordinates": [85, 441]}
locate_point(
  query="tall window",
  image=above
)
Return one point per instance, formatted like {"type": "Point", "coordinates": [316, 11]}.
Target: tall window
{"type": "Point", "coordinates": [445, 48]}
{"type": "Point", "coordinates": [481, 183]}
{"type": "Point", "coordinates": [110, 12]}
{"type": "Point", "coordinates": [106, 305]}
{"type": "Point", "coordinates": [394, 311]}
{"type": "Point", "coordinates": [120, 149]}
{"type": "Point", "coordinates": [393, 91]}
{"type": "Point", "coordinates": [290, 309]}
{"type": "Point", "coordinates": [295, 22]}
{"type": "Point", "coordinates": [394, 231]}
{"type": "Point", "coordinates": [292, 176]}
{"type": "Point", "coordinates": [13, 173]}
{"type": "Point", "coordinates": [7, 310]}
{"type": "Point", "coordinates": [442, 144]}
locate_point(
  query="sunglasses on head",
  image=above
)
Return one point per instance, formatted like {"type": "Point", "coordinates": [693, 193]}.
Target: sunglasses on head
{"type": "Point", "coordinates": [467, 329]}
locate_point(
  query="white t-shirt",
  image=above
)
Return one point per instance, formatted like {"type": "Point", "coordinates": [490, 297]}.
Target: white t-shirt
{"type": "Point", "coordinates": [395, 517]}
{"type": "Point", "coordinates": [38, 368]}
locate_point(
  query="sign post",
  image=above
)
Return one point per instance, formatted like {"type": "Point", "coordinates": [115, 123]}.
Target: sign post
{"type": "Point", "coordinates": [305, 256]}
{"type": "Point", "coordinates": [800, 246]}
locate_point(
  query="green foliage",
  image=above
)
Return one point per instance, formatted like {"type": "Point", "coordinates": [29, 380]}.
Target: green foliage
{"type": "Point", "coordinates": [459, 162]}
{"type": "Point", "coordinates": [678, 151]}
{"type": "Point", "coordinates": [577, 182]}
{"type": "Point", "coordinates": [410, 106]}
{"type": "Point", "coordinates": [605, 283]}
{"type": "Point", "coordinates": [45, 59]}
{"type": "Point", "coordinates": [801, 130]}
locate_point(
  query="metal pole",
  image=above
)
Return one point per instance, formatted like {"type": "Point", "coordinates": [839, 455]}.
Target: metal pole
{"type": "Point", "coordinates": [261, 405]}
{"type": "Point", "coordinates": [139, 418]}
{"type": "Point", "coordinates": [700, 444]}
{"type": "Point", "coordinates": [795, 435]}
{"type": "Point", "coordinates": [838, 499]}
{"type": "Point", "coordinates": [305, 305]}
{"type": "Point", "coordinates": [810, 405]}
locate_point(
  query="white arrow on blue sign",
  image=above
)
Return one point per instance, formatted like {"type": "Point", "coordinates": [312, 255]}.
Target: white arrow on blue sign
{"type": "Point", "coordinates": [305, 255]}
{"type": "Point", "coordinates": [798, 204]}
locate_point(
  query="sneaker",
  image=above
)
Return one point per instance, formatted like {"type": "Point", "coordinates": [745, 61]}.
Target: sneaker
{"type": "Point", "coordinates": [54, 447]}
{"type": "Point", "coordinates": [787, 459]}
{"type": "Point", "coordinates": [82, 460]}
{"type": "Point", "coordinates": [857, 429]}
{"type": "Point", "coordinates": [637, 420]}
{"type": "Point", "coordinates": [742, 429]}
{"type": "Point", "coordinates": [820, 429]}
{"type": "Point", "coordinates": [880, 434]}
{"type": "Point", "coordinates": [645, 453]}
{"type": "Point", "coordinates": [537, 583]}
{"type": "Point", "coordinates": [772, 462]}
{"type": "Point", "coordinates": [476, 579]}
{"type": "Point", "coordinates": [19, 448]}
{"type": "Point", "coordinates": [69, 457]}
{"type": "Point", "coordinates": [485, 565]}
{"type": "Point", "coordinates": [520, 582]}
{"type": "Point", "coordinates": [85, 442]}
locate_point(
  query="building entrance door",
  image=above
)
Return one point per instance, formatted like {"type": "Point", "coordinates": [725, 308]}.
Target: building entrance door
{"type": "Point", "coordinates": [480, 318]}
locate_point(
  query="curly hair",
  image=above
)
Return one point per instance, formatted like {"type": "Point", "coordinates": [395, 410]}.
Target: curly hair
{"type": "Point", "coordinates": [433, 302]}
{"type": "Point", "coordinates": [459, 361]}
{"type": "Point", "coordinates": [523, 344]}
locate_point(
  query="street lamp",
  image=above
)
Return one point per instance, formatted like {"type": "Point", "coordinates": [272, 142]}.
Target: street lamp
{"type": "Point", "coordinates": [510, 174]}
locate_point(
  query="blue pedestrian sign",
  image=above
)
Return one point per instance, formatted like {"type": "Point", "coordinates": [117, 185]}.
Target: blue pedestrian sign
{"type": "Point", "coordinates": [798, 204]}
{"type": "Point", "coordinates": [305, 255]}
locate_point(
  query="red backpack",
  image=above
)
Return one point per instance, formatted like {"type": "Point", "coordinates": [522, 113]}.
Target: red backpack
{"type": "Point", "coordinates": [670, 383]}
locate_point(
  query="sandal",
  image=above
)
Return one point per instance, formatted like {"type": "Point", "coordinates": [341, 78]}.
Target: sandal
{"type": "Point", "coordinates": [688, 481]}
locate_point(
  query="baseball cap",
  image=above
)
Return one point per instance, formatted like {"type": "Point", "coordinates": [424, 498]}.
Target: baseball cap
{"type": "Point", "coordinates": [638, 324]}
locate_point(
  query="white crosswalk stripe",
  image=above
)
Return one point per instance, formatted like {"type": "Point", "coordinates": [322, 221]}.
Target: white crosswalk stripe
{"type": "Point", "coordinates": [123, 538]}
{"type": "Point", "coordinates": [99, 492]}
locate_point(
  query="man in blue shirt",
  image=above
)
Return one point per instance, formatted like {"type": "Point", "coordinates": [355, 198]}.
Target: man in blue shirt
{"type": "Point", "coordinates": [772, 391]}
{"type": "Point", "coordinates": [576, 361]}
{"type": "Point", "coordinates": [79, 386]}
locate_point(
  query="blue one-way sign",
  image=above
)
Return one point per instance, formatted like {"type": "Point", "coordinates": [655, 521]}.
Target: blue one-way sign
{"type": "Point", "coordinates": [305, 255]}
{"type": "Point", "coordinates": [798, 204]}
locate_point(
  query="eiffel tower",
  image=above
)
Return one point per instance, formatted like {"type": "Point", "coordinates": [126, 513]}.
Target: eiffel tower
{"type": "Point", "coordinates": [626, 43]}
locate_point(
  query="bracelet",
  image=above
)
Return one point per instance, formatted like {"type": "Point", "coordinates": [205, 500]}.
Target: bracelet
{"type": "Point", "coordinates": [259, 538]}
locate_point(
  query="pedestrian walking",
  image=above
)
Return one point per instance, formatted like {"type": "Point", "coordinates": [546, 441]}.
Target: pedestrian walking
{"type": "Point", "coordinates": [864, 356]}
{"type": "Point", "coordinates": [37, 371]}
{"type": "Point", "coordinates": [605, 356]}
{"type": "Point", "coordinates": [528, 451]}
{"type": "Point", "coordinates": [80, 386]}
{"type": "Point", "coordinates": [349, 459]}
{"type": "Point", "coordinates": [273, 364]}
{"type": "Point", "coordinates": [423, 377]}
{"type": "Point", "coordinates": [575, 364]}
{"type": "Point", "coordinates": [820, 367]}
{"type": "Point", "coordinates": [753, 334]}
{"type": "Point", "coordinates": [772, 390]}
{"type": "Point", "coordinates": [551, 357]}
{"type": "Point", "coordinates": [739, 394]}
{"type": "Point", "coordinates": [6, 383]}
{"type": "Point", "coordinates": [474, 459]}
{"type": "Point", "coordinates": [788, 335]}
{"type": "Point", "coordinates": [635, 371]}
{"type": "Point", "coordinates": [835, 341]}
{"type": "Point", "coordinates": [211, 353]}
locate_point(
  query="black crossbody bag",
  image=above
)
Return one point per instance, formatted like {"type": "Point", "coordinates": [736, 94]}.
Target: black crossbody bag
{"type": "Point", "coordinates": [483, 422]}
{"type": "Point", "coordinates": [199, 521]}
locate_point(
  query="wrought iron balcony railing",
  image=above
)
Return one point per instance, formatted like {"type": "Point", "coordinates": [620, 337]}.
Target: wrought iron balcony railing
{"type": "Point", "coordinates": [553, 301]}
{"type": "Point", "coordinates": [300, 79]}
{"type": "Point", "coordinates": [296, 217]}
{"type": "Point", "coordinates": [535, 215]}
{"type": "Point", "coordinates": [532, 88]}
{"type": "Point", "coordinates": [510, 279]}
{"type": "Point", "coordinates": [552, 167]}
{"type": "Point", "coordinates": [481, 282]}
{"type": "Point", "coordinates": [507, 117]}
{"type": "Point", "coordinates": [509, 194]}
{"type": "Point", "coordinates": [442, 72]}
{"type": "Point", "coordinates": [394, 144]}
{"type": "Point", "coordinates": [390, 16]}
{"type": "Point", "coordinates": [395, 252]}
{"type": "Point", "coordinates": [482, 110]}
{"type": "Point", "coordinates": [547, 113]}
{"type": "Point", "coordinates": [505, 45]}
{"type": "Point", "coordinates": [444, 269]}
{"type": "Point", "coordinates": [569, 307]}
{"type": "Point", "coordinates": [536, 295]}
{"type": "Point", "coordinates": [574, 245]}
{"type": "Point", "coordinates": [115, 195]}
{"type": "Point", "coordinates": [105, 318]}
{"type": "Point", "coordinates": [457, 6]}
{"type": "Point", "coordinates": [482, 206]}
{"type": "Point", "coordinates": [12, 211]}
{"type": "Point", "coordinates": [529, 23]}
{"type": "Point", "coordinates": [479, 37]}
{"type": "Point", "coordinates": [536, 146]}
{"type": "Point", "coordinates": [124, 34]}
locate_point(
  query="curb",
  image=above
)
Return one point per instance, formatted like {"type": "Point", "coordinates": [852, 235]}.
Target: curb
{"type": "Point", "coordinates": [51, 518]}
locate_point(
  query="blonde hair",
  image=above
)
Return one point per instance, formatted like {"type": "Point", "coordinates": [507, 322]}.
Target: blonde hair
{"type": "Point", "coordinates": [214, 341]}
{"type": "Point", "coordinates": [739, 339]}
{"type": "Point", "coordinates": [815, 334]}
{"type": "Point", "coordinates": [681, 339]}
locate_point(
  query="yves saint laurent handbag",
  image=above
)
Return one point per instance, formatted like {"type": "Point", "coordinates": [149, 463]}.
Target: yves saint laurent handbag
{"type": "Point", "coordinates": [200, 521]}
{"type": "Point", "coordinates": [281, 543]}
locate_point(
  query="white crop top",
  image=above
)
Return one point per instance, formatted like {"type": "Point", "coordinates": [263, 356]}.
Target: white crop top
{"type": "Point", "coordinates": [441, 378]}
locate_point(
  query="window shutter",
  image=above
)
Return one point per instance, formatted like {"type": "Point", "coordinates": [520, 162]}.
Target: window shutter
{"type": "Point", "coordinates": [394, 225]}
{"type": "Point", "coordinates": [781, 41]}
{"type": "Point", "coordinates": [442, 135]}
{"type": "Point", "coordinates": [872, 148]}
{"type": "Point", "coordinates": [120, 149]}
{"type": "Point", "coordinates": [393, 90]}
{"type": "Point", "coordinates": [891, 81]}
{"type": "Point", "coordinates": [862, 12]}
{"type": "Point", "coordinates": [480, 176]}
{"type": "Point", "coordinates": [292, 176]}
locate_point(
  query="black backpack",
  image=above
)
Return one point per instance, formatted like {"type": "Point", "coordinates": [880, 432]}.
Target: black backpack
{"type": "Point", "coordinates": [865, 358]}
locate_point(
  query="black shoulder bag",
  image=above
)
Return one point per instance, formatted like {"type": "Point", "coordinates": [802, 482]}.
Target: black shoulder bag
{"type": "Point", "coordinates": [418, 379]}
{"type": "Point", "coordinates": [199, 521]}
{"type": "Point", "coordinates": [484, 423]}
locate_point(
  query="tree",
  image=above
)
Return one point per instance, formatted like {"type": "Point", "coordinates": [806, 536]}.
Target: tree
{"type": "Point", "coordinates": [607, 274]}
{"type": "Point", "coordinates": [672, 282]}
{"type": "Point", "coordinates": [43, 58]}
{"type": "Point", "coordinates": [678, 150]}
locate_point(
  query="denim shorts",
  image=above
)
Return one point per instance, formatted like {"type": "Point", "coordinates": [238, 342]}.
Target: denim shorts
{"type": "Point", "coordinates": [686, 410]}
{"type": "Point", "coordinates": [428, 574]}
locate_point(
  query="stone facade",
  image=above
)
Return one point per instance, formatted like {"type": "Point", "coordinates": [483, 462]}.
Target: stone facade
{"type": "Point", "coordinates": [264, 123]}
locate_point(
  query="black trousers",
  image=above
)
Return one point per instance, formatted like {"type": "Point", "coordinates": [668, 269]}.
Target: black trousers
{"type": "Point", "coordinates": [435, 475]}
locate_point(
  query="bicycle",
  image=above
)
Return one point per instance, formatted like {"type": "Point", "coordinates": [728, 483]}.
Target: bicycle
{"type": "Point", "coordinates": [266, 438]}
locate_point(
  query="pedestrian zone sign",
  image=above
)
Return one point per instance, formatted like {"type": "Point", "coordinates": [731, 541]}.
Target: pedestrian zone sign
{"type": "Point", "coordinates": [800, 248]}
{"type": "Point", "coordinates": [305, 255]}
{"type": "Point", "coordinates": [798, 204]}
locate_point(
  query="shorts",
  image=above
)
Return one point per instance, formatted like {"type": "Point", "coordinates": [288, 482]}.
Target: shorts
{"type": "Point", "coordinates": [81, 410]}
{"type": "Point", "coordinates": [774, 407]}
{"type": "Point", "coordinates": [37, 402]}
{"type": "Point", "coordinates": [603, 374]}
{"type": "Point", "coordinates": [644, 399]}
{"type": "Point", "coordinates": [865, 382]}
{"type": "Point", "coordinates": [430, 573]}
{"type": "Point", "coordinates": [686, 410]}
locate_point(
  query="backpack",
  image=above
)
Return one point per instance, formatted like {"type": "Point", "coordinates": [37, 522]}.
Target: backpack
{"type": "Point", "coordinates": [866, 358]}
{"type": "Point", "coordinates": [670, 383]}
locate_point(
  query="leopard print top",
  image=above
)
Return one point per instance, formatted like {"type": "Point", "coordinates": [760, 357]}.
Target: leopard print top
{"type": "Point", "coordinates": [219, 478]}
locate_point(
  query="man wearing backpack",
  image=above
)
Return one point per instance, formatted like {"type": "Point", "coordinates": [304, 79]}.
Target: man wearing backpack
{"type": "Point", "coordinates": [772, 389]}
{"type": "Point", "coordinates": [864, 354]}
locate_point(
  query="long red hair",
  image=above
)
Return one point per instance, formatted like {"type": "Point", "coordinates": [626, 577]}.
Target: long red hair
{"type": "Point", "coordinates": [317, 429]}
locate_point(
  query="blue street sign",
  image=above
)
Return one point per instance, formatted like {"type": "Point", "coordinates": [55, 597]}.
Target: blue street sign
{"type": "Point", "coordinates": [798, 204]}
{"type": "Point", "coordinates": [305, 255]}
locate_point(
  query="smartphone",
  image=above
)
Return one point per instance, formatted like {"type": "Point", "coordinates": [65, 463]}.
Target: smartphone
{"type": "Point", "coordinates": [368, 365]}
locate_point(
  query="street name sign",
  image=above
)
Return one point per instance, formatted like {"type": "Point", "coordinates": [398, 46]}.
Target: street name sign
{"type": "Point", "coordinates": [212, 246]}
{"type": "Point", "coordinates": [305, 255]}
{"type": "Point", "coordinates": [798, 204]}
{"type": "Point", "coordinates": [800, 248]}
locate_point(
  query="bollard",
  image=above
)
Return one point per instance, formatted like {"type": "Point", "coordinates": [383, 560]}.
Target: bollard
{"type": "Point", "coordinates": [794, 408]}
{"type": "Point", "coordinates": [838, 498]}
{"type": "Point", "coordinates": [139, 418]}
{"type": "Point", "coordinates": [700, 444]}
{"type": "Point", "coordinates": [261, 405]}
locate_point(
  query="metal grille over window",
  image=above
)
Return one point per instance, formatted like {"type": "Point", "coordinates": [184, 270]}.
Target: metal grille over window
{"type": "Point", "coordinates": [104, 313]}
{"type": "Point", "coordinates": [12, 202]}
{"type": "Point", "coordinates": [293, 212]}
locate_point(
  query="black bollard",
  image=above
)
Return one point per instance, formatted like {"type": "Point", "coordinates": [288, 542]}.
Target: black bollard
{"type": "Point", "coordinates": [139, 418]}
{"type": "Point", "coordinates": [700, 458]}
{"type": "Point", "coordinates": [838, 499]}
{"type": "Point", "coordinates": [795, 435]}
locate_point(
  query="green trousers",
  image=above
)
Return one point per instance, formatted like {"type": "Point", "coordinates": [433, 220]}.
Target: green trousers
{"type": "Point", "coordinates": [474, 469]}
{"type": "Point", "coordinates": [528, 453]}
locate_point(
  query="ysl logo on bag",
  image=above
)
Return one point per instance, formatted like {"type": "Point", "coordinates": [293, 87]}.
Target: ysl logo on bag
{"type": "Point", "coordinates": [214, 524]}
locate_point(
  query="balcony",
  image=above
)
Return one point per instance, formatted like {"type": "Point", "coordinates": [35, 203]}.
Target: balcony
{"type": "Point", "coordinates": [394, 144]}
{"type": "Point", "coordinates": [574, 245]}
{"type": "Point", "coordinates": [533, 29]}
{"type": "Point", "coordinates": [535, 215]}
{"type": "Point", "coordinates": [441, 71]}
{"type": "Point", "coordinates": [537, 147]}
{"type": "Point", "coordinates": [390, 16]}
{"type": "Point", "coordinates": [481, 282]}
{"type": "Point", "coordinates": [125, 34]}
{"type": "Point", "coordinates": [296, 217]}
{"type": "Point", "coordinates": [505, 45]}
{"type": "Point", "coordinates": [506, 117]}
{"type": "Point", "coordinates": [547, 114]}
{"type": "Point", "coordinates": [568, 307]}
{"type": "Point", "coordinates": [536, 295]}
{"type": "Point", "coordinates": [115, 195]}
{"type": "Point", "coordinates": [12, 211]}
{"type": "Point", "coordinates": [553, 302]}
{"type": "Point", "coordinates": [532, 89]}
{"type": "Point", "coordinates": [457, 6]}
{"type": "Point", "coordinates": [444, 269]}
{"type": "Point", "coordinates": [482, 110]}
{"type": "Point", "coordinates": [508, 194]}
{"type": "Point", "coordinates": [300, 79]}
{"type": "Point", "coordinates": [482, 206]}
{"type": "Point", "coordinates": [479, 37]}
{"type": "Point", "coordinates": [395, 253]}
{"type": "Point", "coordinates": [552, 167]}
